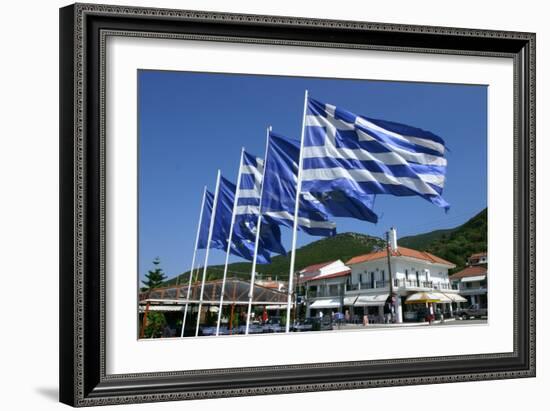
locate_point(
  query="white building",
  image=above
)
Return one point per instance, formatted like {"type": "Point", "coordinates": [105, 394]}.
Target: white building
{"type": "Point", "coordinates": [324, 286]}
{"type": "Point", "coordinates": [412, 271]}
{"type": "Point", "coordinates": [361, 286]}
{"type": "Point", "coordinates": [472, 281]}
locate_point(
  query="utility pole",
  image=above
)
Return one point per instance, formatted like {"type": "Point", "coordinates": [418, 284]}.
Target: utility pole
{"type": "Point", "coordinates": [392, 296]}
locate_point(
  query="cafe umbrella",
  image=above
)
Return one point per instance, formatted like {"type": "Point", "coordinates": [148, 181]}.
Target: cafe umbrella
{"type": "Point", "coordinates": [423, 297]}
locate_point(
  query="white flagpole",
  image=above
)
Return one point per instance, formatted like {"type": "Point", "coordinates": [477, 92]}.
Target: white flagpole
{"type": "Point", "coordinates": [295, 226]}
{"type": "Point", "coordinates": [193, 262]}
{"type": "Point", "coordinates": [229, 242]}
{"type": "Point", "coordinates": [212, 218]}
{"type": "Point", "coordinates": [256, 244]}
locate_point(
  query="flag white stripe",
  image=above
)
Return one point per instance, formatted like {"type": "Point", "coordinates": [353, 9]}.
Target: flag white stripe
{"type": "Point", "coordinates": [426, 143]}
{"type": "Point", "coordinates": [389, 159]}
{"type": "Point", "coordinates": [249, 193]}
{"type": "Point", "coordinates": [365, 176]}
{"type": "Point", "coordinates": [302, 221]}
{"type": "Point", "coordinates": [247, 209]}
{"type": "Point", "coordinates": [248, 169]}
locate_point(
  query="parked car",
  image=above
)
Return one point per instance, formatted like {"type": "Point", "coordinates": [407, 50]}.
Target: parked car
{"type": "Point", "coordinates": [419, 315]}
{"type": "Point", "coordinates": [255, 329]}
{"type": "Point", "coordinates": [207, 330]}
{"type": "Point", "coordinates": [252, 329]}
{"type": "Point", "coordinates": [472, 311]}
{"type": "Point", "coordinates": [273, 325]}
{"type": "Point", "coordinates": [322, 324]}
{"type": "Point", "coordinates": [305, 325]}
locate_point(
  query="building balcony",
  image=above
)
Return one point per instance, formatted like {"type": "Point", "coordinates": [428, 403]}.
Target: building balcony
{"type": "Point", "coordinates": [367, 286]}
{"type": "Point", "coordinates": [472, 290]}
{"type": "Point", "coordinates": [413, 284]}
{"type": "Point", "coordinates": [401, 283]}
{"type": "Point", "coordinates": [322, 293]}
{"type": "Point", "coordinates": [445, 287]}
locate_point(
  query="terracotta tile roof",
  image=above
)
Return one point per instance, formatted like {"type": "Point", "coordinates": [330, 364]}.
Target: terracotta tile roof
{"type": "Point", "coordinates": [477, 255]}
{"type": "Point", "coordinates": [269, 284]}
{"type": "Point", "coordinates": [400, 252]}
{"type": "Point", "coordinates": [314, 267]}
{"type": "Point", "coordinates": [471, 271]}
{"type": "Point", "coordinates": [323, 277]}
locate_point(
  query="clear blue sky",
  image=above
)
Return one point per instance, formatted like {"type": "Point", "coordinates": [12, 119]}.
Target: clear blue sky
{"type": "Point", "coordinates": [191, 124]}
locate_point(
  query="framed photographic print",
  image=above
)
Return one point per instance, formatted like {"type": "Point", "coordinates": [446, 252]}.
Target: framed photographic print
{"type": "Point", "coordinates": [262, 204]}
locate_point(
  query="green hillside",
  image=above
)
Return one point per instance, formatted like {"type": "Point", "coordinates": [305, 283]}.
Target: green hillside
{"type": "Point", "coordinates": [455, 244]}
{"type": "Point", "coordinates": [341, 246]}
{"type": "Point", "coordinates": [421, 241]}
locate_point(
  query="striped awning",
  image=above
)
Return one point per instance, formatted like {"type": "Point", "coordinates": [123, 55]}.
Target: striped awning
{"type": "Point", "coordinates": [424, 297]}
{"type": "Point", "coordinates": [455, 298]}
{"type": "Point", "coordinates": [326, 303]}
{"type": "Point", "coordinates": [349, 301]}
{"type": "Point", "coordinates": [371, 300]}
{"type": "Point", "coordinates": [473, 278]}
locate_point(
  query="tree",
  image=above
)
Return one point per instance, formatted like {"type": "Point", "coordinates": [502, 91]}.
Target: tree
{"type": "Point", "coordinates": [155, 324]}
{"type": "Point", "coordinates": [154, 278]}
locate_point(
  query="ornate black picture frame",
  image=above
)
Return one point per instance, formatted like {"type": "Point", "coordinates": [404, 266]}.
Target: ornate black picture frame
{"type": "Point", "coordinates": [83, 30]}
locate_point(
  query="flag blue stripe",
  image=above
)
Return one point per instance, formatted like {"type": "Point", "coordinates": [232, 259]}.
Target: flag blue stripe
{"type": "Point", "coordinates": [250, 160]}
{"type": "Point", "coordinates": [248, 201]}
{"type": "Point", "coordinates": [248, 182]}
{"type": "Point", "coordinates": [205, 222]}
{"type": "Point", "coordinates": [351, 186]}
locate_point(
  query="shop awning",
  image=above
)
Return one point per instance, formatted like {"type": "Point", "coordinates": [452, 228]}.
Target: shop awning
{"type": "Point", "coordinates": [455, 298]}
{"type": "Point", "coordinates": [443, 298]}
{"type": "Point", "coordinates": [350, 300]}
{"type": "Point", "coordinates": [473, 278]}
{"type": "Point", "coordinates": [371, 300]}
{"type": "Point", "coordinates": [326, 303]}
{"type": "Point", "coordinates": [423, 297]}
{"type": "Point", "coordinates": [275, 307]}
{"type": "Point", "coordinates": [162, 308]}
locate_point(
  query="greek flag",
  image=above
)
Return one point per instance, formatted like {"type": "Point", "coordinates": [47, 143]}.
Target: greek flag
{"type": "Point", "coordinates": [205, 222]}
{"type": "Point", "coordinates": [279, 190]}
{"type": "Point", "coordinates": [240, 246]}
{"type": "Point", "coordinates": [248, 207]}
{"type": "Point", "coordinates": [358, 156]}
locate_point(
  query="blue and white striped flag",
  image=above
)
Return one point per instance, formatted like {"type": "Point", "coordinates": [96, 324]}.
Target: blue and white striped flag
{"type": "Point", "coordinates": [279, 190]}
{"type": "Point", "coordinates": [360, 156]}
{"type": "Point", "coordinates": [248, 207]}
{"type": "Point", "coordinates": [240, 246]}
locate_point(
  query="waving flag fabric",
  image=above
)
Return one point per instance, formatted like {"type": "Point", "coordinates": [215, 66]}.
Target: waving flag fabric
{"type": "Point", "coordinates": [358, 156]}
{"type": "Point", "coordinates": [241, 245]}
{"type": "Point", "coordinates": [342, 204]}
{"type": "Point", "coordinates": [248, 202]}
{"type": "Point", "coordinates": [279, 190]}
{"type": "Point", "coordinates": [205, 222]}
